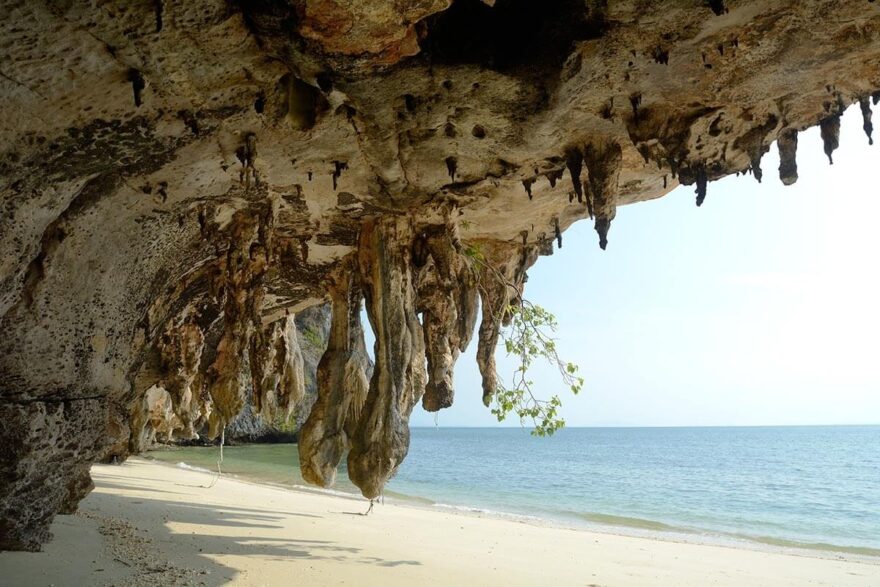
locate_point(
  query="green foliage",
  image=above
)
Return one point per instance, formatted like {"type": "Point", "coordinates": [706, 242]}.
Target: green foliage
{"type": "Point", "coordinates": [528, 338]}
{"type": "Point", "coordinates": [474, 253]}
{"type": "Point", "coordinates": [285, 423]}
{"type": "Point", "coordinates": [313, 338]}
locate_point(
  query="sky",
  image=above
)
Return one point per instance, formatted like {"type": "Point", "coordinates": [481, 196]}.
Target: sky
{"type": "Point", "coordinates": [762, 307]}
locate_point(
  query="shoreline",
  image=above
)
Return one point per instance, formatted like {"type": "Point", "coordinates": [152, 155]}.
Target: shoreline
{"type": "Point", "coordinates": [148, 523]}
{"type": "Point", "coordinates": [642, 528]}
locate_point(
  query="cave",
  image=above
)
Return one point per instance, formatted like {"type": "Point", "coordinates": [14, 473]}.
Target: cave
{"type": "Point", "coordinates": [185, 185]}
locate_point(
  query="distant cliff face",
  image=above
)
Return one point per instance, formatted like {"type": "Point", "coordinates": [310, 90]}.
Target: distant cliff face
{"type": "Point", "coordinates": [180, 180]}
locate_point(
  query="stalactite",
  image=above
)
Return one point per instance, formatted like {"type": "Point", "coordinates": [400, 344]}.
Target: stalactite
{"type": "Point", "coordinates": [554, 176]}
{"type": "Point", "coordinates": [501, 281]}
{"type": "Point", "coordinates": [342, 385]}
{"type": "Point", "coordinates": [381, 439]}
{"type": "Point", "coordinates": [557, 232]}
{"type": "Point", "coordinates": [276, 362]}
{"type": "Point", "coordinates": [527, 184]}
{"type": "Point", "coordinates": [247, 155]}
{"type": "Point", "coordinates": [588, 199]}
{"type": "Point", "coordinates": [159, 6]}
{"type": "Point", "coordinates": [291, 389]}
{"type": "Point", "coordinates": [451, 167]}
{"type": "Point", "coordinates": [754, 142]}
{"type": "Point", "coordinates": [338, 168]}
{"type": "Point", "coordinates": [702, 180]}
{"type": "Point", "coordinates": [673, 166]}
{"type": "Point", "coordinates": [574, 160]}
{"type": "Point", "coordinates": [830, 130]}
{"type": "Point", "coordinates": [755, 158]}
{"type": "Point", "coordinates": [603, 160]}
{"type": "Point", "coordinates": [787, 144]}
{"type": "Point", "coordinates": [867, 125]}
{"type": "Point", "coordinates": [635, 101]}
{"type": "Point", "coordinates": [446, 294]}
{"type": "Point", "coordinates": [138, 84]}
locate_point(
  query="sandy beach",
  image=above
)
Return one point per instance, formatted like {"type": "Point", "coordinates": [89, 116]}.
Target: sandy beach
{"type": "Point", "coordinates": [152, 524]}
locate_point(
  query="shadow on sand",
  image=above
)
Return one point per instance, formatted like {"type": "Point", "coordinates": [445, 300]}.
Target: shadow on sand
{"type": "Point", "coordinates": [198, 551]}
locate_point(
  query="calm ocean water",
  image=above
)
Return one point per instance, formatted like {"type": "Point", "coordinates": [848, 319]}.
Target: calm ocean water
{"type": "Point", "coordinates": [814, 487]}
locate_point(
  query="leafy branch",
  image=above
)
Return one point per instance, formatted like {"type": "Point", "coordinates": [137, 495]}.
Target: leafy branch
{"type": "Point", "coordinates": [526, 330]}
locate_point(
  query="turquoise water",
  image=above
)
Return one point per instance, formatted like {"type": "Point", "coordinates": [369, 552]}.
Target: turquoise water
{"type": "Point", "coordinates": [814, 487]}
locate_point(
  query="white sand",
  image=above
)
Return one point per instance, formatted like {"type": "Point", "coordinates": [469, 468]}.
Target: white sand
{"type": "Point", "coordinates": [151, 524]}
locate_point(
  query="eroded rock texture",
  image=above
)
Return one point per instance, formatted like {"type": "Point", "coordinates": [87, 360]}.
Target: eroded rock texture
{"type": "Point", "coordinates": [179, 180]}
{"type": "Point", "coordinates": [341, 381]}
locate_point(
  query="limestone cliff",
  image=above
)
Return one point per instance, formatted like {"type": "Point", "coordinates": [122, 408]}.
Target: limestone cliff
{"type": "Point", "coordinates": [179, 180]}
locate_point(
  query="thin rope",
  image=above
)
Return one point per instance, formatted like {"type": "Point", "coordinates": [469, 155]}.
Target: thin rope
{"type": "Point", "coordinates": [219, 461]}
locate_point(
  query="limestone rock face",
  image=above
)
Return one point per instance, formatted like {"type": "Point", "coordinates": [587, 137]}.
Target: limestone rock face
{"type": "Point", "coordinates": [178, 180]}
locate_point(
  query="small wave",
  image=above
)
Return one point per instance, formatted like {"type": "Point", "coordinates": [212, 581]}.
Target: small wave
{"type": "Point", "coordinates": [488, 512]}
{"type": "Point", "coordinates": [628, 522]}
{"type": "Point", "coordinates": [407, 498]}
{"type": "Point", "coordinates": [821, 546]}
{"type": "Point", "coordinates": [182, 465]}
{"type": "Point", "coordinates": [708, 536]}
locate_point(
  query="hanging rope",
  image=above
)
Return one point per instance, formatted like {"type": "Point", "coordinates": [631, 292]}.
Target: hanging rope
{"type": "Point", "coordinates": [220, 460]}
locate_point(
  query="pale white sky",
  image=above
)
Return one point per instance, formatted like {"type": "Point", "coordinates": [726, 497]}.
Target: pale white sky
{"type": "Point", "coordinates": [760, 307]}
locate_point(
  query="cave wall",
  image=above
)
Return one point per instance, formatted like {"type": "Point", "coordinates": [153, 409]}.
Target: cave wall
{"type": "Point", "coordinates": [179, 180]}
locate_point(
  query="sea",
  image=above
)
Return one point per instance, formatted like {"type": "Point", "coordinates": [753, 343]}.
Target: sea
{"type": "Point", "coordinates": [792, 487]}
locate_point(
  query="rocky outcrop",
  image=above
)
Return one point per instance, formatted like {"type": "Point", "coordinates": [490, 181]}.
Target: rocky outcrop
{"type": "Point", "coordinates": [179, 180]}
{"type": "Point", "coordinates": [46, 449]}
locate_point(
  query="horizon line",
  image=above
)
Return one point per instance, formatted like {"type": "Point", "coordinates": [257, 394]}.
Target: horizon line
{"type": "Point", "coordinates": [513, 427]}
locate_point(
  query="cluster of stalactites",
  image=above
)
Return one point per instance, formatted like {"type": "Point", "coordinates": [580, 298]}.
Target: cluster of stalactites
{"type": "Point", "coordinates": [277, 376]}
{"type": "Point", "coordinates": [755, 144]}
{"type": "Point", "coordinates": [241, 282]}
{"type": "Point", "coordinates": [179, 404]}
{"type": "Point", "coordinates": [446, 294]}
{"type": "Point", "coordinates": [599, 193]}
{"type": "Point", "coordinates": [211, 395]}
{"type": "Point", "coordinates": [420, 293]}
{"type": "Point", "coordinates": [181, 348]}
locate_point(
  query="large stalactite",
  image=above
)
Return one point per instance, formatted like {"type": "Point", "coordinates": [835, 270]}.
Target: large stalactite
{"type": "Point", "coordinates": [174, 195]}
{"type": "Point", "coordinates": [381, 439]}
{"type": "Point", "coordinates": [342, 386]}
